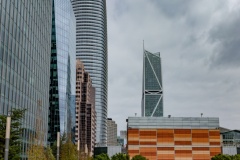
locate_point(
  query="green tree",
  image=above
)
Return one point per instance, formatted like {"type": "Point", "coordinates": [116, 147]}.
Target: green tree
{"type": "Point", "coordinates": [39, 152]}
{"type": "Point", "coordinates": [15, 134]}
{"type": "Point", "coordinates": [49, 154]}
{"type": "Point", "coordinates": [36, 152]}
{"type": "Point", "coordinates": [139, 157]}
{"type": "Point", "coordinates": [102, 156]}
{"type": "Point", "coordinates": [221, 157]}
{"type": "Point", "coordinates": [68, 151]}
{"type": "Point", "coordinates": [120, 156]}
{"type": "Point", "coordinates": [54, 149]}
{"type": "Point", "coordinates": [236, 157]}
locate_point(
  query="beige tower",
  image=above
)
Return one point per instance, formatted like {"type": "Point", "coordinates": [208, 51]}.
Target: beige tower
{"type": "Point", "coordinates": [111, 132]}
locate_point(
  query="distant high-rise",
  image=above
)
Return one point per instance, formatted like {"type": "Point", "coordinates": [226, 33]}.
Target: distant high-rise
{"type": "Point", "coordinates": [152, 96]}
{"type": "Point", "coordinates": [91, 33]}
{"type": "Point", "coordinates": [63, 72]}
{"type": "Point", "coordinates": [85, 109]}
{"type": "Point", "coordinates": [25, 45]}
{"type": "Point", "coordinates": [111, 132]}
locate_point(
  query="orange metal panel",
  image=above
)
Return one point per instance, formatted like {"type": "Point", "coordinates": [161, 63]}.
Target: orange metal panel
{"type": "Point", "coordinates": [184, 156]}
{"type": "Point", "coordinates": [214, 137]}
{"type": "Point", "coordinates": [165, 131]}
{"type": "Point", "coordinates": [183, 148]}
{"type": "Point", "coordinates": [133, 142]}
{"type": "Point", "coordinates": [214, 133]}
{"type": "Point", "coordinates": [200, 148]}
{"type": "Point", "coordinates": [215, 143]}
{"type": "Point", "coordinates": [183, 143]}
{"type": "Point", "coordinates": [148, 143]}
{"type": "Point", "coordinates": [166, 156]}
{"type": "Point", "coordinates": [183, 151]}
{"type": "Point", "coordinates": [165, 148]}
{"type": "Point", "coordinates": [148, 137]}
{"type": "Point", "coordinates": [148, 153]}
{"type": "Point", "coordinates": [148, 149]}
{"type": "Point", "coordinates": [182, 135]}
{"type": "Point", "coordinates": [165, 140]}
{"type": "Point", "coordinates": [147, 133]}
{"type": "Point", "coordinates": [200, 135]}
{"type": "Point", "coordinates": [200, 130]}
{"type": "Point", "coordinates": [200, 140]}
{"type": "Point", "coordinates": [133, 131]}
{"type": "Point", "coordinates": [215, 149]}
{"type": "Point", "coordinates": [133, 151]}
{"type": "Point", "coordinates": [201, 157]}
{"type": "Point", "coordinates": [182, 131]}
{"type": "Point", "coordinates": [165, 135]}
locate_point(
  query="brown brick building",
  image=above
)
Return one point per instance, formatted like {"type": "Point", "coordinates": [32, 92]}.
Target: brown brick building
{"type": "Point", "coordinates": [85, 110]}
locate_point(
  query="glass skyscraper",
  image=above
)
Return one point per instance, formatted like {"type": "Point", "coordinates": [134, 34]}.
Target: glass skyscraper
{"type": "Point", "coordinates": [63, 73]}
{"type": "Point", "coordinates": [25, 45]}
{"type": "Point", "coordinates": [152, 96]}
{"type": "Point", "coordinates": [91, 33]}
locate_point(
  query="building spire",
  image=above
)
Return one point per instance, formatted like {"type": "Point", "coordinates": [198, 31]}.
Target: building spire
{"type": "Point", "coordinates": [143, 45]}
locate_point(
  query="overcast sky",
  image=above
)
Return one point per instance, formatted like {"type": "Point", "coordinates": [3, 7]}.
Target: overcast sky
{"type": "Point", "coordinates": [199, 43]}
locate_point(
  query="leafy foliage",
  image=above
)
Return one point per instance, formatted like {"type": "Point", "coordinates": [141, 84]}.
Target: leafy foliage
{"type": "Point", "coordinates": [226, 157]}
{"type": "Point", "coordinates": [120, 156]}
{"type": "Point", "coordinates": [38, 152]}
{"type": "Point", "coordinates": [68, 151]}
{"type": "Point", "coordinates": [49, 154]}
{"type": "Point", "coordinates": [15, 134]}
{"type": "Point", "coordinates": [102, 156]}
{"type": "Point", "coordinates": [54, 149]}
{"type": "Point", "coordinates": [139, 157]}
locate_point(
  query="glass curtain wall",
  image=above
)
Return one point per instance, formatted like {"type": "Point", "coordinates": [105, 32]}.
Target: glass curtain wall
{"type": "Point", "coordinates": [152, 100]}
{"type": "Point", "coordinates": [63, 76]}
{"type": "Point", "coordinates": [25, 44]}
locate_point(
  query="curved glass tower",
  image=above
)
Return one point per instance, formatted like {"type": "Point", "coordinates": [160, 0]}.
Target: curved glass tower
{"type": "Point", "coordinates": [91, 33]}
{"type": "Point", "coordinates": [63, 72]}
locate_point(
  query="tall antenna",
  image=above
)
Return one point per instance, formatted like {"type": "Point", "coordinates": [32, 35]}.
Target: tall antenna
{"type": "Point", "coordinates": [143, 44]}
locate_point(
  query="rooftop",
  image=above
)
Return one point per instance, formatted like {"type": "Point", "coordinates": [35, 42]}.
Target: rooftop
{"type": "Point", "coordinates": [174, 122]}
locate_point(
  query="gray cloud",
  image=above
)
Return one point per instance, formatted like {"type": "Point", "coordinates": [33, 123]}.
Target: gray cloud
{"type": "Point", "coordinates": [188, 34]}
{"type": "Point", "coordinates": [173, 8]}
{"type": "Point", "coordinates": [227, 39]}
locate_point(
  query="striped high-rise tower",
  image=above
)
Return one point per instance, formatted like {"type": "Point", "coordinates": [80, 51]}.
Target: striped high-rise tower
{"type": "Point", "coordinates": [91, 48]}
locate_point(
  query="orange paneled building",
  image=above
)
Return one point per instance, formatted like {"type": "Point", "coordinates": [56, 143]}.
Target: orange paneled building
{"type": "Point", "coordinates": [173, 138]}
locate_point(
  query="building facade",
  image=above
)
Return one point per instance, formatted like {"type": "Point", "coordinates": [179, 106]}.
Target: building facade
{"type": "Point", "coordinates": [91, 48]}
{"type": "Point", "coordinates": [25, 44]}
{"type": "Point", "coordinates": [120, 141]}
{"type": "Point", "coordinates": [173, 138]}
{"type": "Point", "coordinates": [230, 142]}
{"type": "Point", "coordinates": [152, 96]}
{"type": "Point", "coordinates": [111, 132]}
{"type": "Point", "coordinates": [62, 69]}
{"type": "Point", "coordinates": [85, 110]}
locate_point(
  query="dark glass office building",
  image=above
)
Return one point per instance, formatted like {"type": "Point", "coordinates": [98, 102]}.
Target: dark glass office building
{"type": "Point", "coordinates": [91, 33]}
{"type": "Point", "coordinates": [152, 96]}
{"type": "Point", "coordinates": [63, 72]}
{"type": "Point", "coordinates": [25, 52]}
